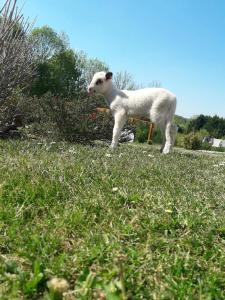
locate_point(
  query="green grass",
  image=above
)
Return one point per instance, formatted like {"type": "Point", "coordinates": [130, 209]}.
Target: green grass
{"type": "Point", "coordinates": [131, 224]}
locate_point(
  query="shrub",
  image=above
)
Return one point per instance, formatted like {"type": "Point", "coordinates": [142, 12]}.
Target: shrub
{"type": "Point", "coordinates": [8, 110]}
{"type": "Point", "coordinates": [192, 141]}
{"type": "Point", "coordinates": [179, 142]}
{"type": "Point", "coordinates": [77, 120]}
{"type": "Point", "coordinates": [157, 136]}
{"type": "Point", "coordinates": [181, 129]}
{"type": "Point", "coordinates": [206, 146]}
{"type": "Point", "coordinates": [203, 133]}
{"type": "Point", "coordinates": [66, 119]}
{"type": "Point", "coordinates": [141, 132]}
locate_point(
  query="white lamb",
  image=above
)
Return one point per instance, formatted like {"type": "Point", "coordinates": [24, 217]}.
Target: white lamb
{"type": "Point", "coordinates": [155, 103]}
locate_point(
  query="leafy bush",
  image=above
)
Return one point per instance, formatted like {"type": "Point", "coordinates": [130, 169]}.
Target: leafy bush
{"type": "Point", "coordinates": [179, 142]}
{"type": "Point", "coordinates": [141, 132]}
{"type": "Point", "coordinates": [203, 133]}
{"type": "Point", "coordinates": [8, 110]}
{"type": "Point", "coordinates": [157, 136]}
{"type": "Point", "coordinates": [77, 120]}
{"type": "Point", "coordinates": [192, 141]}
{"type": "Point", "coordinates": [66, 119]}
{"type": "Point", "coordinates": [181, 129]}
{"type": "Point", "coordinates": [206, 146]}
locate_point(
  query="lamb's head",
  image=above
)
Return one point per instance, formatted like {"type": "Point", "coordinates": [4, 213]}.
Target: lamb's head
{"type": "Point", "coordinates": [101, 82]}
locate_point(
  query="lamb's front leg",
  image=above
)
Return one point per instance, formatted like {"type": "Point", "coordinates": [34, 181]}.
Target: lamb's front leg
{"type": "Point", "coordinates": [120, 120]}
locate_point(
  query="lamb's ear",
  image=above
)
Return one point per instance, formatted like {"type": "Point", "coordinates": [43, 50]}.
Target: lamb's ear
{"type": "Point", "coordinates": [108, 75]}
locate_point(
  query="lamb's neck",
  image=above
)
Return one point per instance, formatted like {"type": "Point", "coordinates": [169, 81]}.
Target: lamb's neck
{"type": "Point", "coordinates": [111, 94]}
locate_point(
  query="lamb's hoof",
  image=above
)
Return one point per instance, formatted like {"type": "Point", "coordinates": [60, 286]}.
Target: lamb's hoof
{"type": "Point", "coordinates": [165, 151]}
{"type": "Point", "coordinates": [112, 147]}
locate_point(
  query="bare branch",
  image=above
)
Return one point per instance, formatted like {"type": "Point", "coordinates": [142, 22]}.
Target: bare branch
{"type": "Point", "coordinates": [155, 84]}
{"type": "Point", "coordinates": [16, 50]}
{"type": "Point", "coordinates": [124, 81]}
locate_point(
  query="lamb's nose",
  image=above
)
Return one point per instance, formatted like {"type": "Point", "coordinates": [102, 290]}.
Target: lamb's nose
{"type": "Point", "coordinates": [90, 90]}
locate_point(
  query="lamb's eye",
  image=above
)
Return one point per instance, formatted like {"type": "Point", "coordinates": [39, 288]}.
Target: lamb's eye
{"type": "Point", "coordinates": [99, 81]}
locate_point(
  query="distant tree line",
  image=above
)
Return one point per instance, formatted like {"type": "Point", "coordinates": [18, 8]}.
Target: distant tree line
{"type": "Point", "coordinates": [192, 132]}
{"type": "Point", "coordinates": [215, 126]}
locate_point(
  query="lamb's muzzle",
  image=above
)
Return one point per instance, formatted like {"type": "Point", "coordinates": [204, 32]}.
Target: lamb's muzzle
{"type": "Point", "coordinates": [155, 103]}
{"type": "Point", "coordinates": [90, 91]}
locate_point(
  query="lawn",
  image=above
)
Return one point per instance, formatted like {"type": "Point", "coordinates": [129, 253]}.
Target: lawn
{"type": "Point", "coordinates": [129, 224]}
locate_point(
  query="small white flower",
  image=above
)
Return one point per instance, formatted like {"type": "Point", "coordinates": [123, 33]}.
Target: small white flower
{"type": "Point", "coordinates": [61, 178]}
{"type": "Point", "coordinates": [58, 285]}
{"type": "Point", "coordinates": [150, 155]}
{"type": "Point", "coordinates": [108, 155]}
{"type": "Point", "coordinates": [72, 151]}
{"type": "Point", "coordinates": [115, 189]}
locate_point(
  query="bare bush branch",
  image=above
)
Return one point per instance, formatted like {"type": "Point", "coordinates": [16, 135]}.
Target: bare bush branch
{"type": "Point", "coordinates": [16, 51]}
{"type": "Point", "coordinates": [155, 84]}
{"type": "Point", "coordinates": [124, 81]}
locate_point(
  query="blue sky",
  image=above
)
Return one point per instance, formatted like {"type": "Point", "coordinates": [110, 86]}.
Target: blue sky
{"type": "Point", "coordinates": [180, 43]}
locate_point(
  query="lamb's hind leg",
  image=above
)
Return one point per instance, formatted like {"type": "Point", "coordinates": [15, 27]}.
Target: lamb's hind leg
{"type": "Point", "coordinates": [169, 138]}
{"type": "Point", "coordinates": [174, 130]}
{"type": "Point", "coordinates": [170, 132]}
{"type": "Point", "coordinates": [162, 129]}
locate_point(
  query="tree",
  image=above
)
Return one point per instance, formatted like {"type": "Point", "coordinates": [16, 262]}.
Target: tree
{"type": "Point", "coordinates": [59, 69]}
{"type": "Point", "coordinates": [124, 81]}
{"type": "Point", "coordinates": [16, 51]}
{"type": "Point", "coordinates": [215, 125]}
{"type": "Point", "coordinates": [90, 66]}
{"type": "Point", "coordinates": [47, 43]}
{"type": "Point", "coordinates": [60, 75]}
{"type": "Point", "coordinates": [197, 123]}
